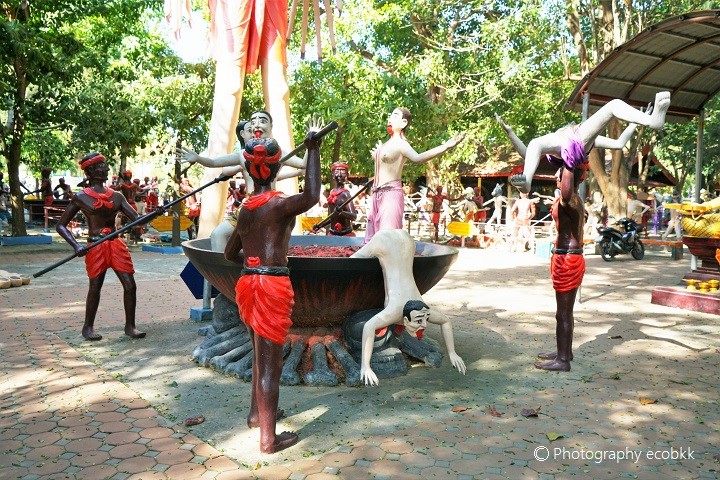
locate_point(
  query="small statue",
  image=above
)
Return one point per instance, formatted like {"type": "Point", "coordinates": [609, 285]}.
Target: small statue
{"type": "Point", "coordinates": [100, 205]}
{"type": "Point", "coordinates": [440, 205]}
{"type": "Point", "coordinates": [572, 143]}
{"type": "Point", "coordinates": [522, 212]}
{"type": "Point", "coordinates": [386, 210]}
{"type": "Point", "coordinates": [264, 294]}
{"type": "Point", "coordinates": [342, 221]}
{"type": "Point", "coordinates": [404, 306]}
{"type": "Point", "coordinates": [65, 192]}
{"type": "Point", "coordinates": [46, 190]}
{"type": "Point", "coordinates": [498, 201]}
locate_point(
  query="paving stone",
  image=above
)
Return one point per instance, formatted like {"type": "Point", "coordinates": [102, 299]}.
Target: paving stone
{"type": "Point", "coordinates": [127, 450]}
{"type": "Point", "coordinates": [136, 464]}
{"type": "Point", "coordinates": [86, 459]}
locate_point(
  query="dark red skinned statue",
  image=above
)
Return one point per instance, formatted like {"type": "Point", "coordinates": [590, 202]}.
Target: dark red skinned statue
{"type": "Point", "coordinates": [567, 264]}
{"type": "Point", "coordinates": [100, 205]}
{"type": "Point", "coordinates": [342, 220]}
{"type": "Point", "coordinates": [264, 294]}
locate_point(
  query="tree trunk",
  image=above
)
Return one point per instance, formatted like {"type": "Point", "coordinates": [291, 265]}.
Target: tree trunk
{"type": "Point", "coordinates": [13, 153]}
{"type": "Point", "coordinates": [337, 143]}
{"type": "Point", "coordinates": [573, 22]}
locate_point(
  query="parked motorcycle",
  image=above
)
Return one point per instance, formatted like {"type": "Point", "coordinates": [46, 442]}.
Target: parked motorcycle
{"type": "Point", "coordinates": [613, 242]}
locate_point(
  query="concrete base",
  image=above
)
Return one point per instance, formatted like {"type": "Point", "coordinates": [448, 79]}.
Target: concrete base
{"type": "Point", "coordinates": [162, 249]}
{"type": "Point", "coordinates": [26, 240]}
{"type": "Point", "coordinates": [688, 300]}
{"type": "Point", "coordinates": [199, 314]}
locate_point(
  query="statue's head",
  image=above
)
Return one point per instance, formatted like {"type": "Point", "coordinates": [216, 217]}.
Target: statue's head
{"type": "Point", "coordinates": [415, 317]}
{"type": "Point", "coordinates": [243, 132]}
{"type": "Point", "coordinates": [45, 172]}
{"type": "Point", "coordinates": [398, 120]}
{"type": "Point", "coordinates": [261, 124]}
{"type": "Point", "coordinates": [497, 191]}
{"type": "Point", "coordinates": [95, 166]}
{"type": "Point", "coordinates": [262, 160]}
{"type": "Point", "coordinates": [339, 171]}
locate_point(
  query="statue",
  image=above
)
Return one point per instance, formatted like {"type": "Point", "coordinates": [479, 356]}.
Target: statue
{"type": "Point", "coordinates": [439, 201]}
{"type": "Point", "coordinates": [46, 190]}
{"type": "Point", "coordinates": [597, 213]}
{"type": "Point", "coordinates": [404, 305]}
{"type": "Point", "coordinates": [264, 294]}
{"type": "Point", "coordinates": [522, 212]}
{"type": "Point", "coordinates": [674, 224]}
{"type": "Point", "coordinates": [342, 220]}
{"type": "Point", "coordinates": [100, 205]}
{"type": "Point", "coordinates": [386, 211]}
{"type": "Point", "coordinates": [260, 125]}
{"type": "Point", "coordinates": [572, 143]}
{"type": "Point", "coordinates": [65, 192]}
{"type": "Point", "coordinates": [498, 201]}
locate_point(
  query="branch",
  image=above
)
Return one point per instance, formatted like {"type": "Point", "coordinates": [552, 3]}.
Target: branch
{"type": "Point", "coordinates": [369, 55]}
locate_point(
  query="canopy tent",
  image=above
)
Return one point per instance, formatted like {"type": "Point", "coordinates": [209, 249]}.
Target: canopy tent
{"type": "Point", "coordinates": [680, 55]}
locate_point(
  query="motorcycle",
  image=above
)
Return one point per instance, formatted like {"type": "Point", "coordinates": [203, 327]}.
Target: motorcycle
{"type": "Point", "coordinates": [613, 242]}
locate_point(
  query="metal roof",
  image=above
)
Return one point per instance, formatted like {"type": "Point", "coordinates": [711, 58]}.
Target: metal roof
{"type": "Point", "coordinates": [681, 55]}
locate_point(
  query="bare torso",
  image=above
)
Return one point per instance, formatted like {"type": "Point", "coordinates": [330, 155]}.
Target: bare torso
{"type": "Point", "coordinates": [569, 219]}
{"type": "Point", "coordinates": [389, 160]}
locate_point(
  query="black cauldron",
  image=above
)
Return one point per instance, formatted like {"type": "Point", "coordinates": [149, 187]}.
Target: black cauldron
{"type": "Point", "coordinates": [327, 289]}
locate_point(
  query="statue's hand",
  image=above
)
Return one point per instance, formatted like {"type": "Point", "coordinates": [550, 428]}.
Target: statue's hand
{"type": "Point", "coordinates": [315, 124]}
{"type": "Point", "coordinates": [368, 377]}
{"type": "Point", "coordinates": [457, 362]}
{"type": "Point", "coordinates": [81, 251]}
{"type": "Point", "coordinates": [187, 156]}
{"type": "Point", "coordinates": [649, 108]}
{"type": "Point", "coordinates": [454, 141]}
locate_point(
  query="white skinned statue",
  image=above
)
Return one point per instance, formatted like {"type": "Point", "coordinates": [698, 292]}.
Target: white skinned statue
{"type": "Point", "coordinates": [386, 210]}
{"type": "Point", "coordinates": [573, 142]}
{"type": "Point", "coordinates": [395, 250]}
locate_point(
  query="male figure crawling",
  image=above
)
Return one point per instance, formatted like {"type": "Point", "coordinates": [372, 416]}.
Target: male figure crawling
{"type": "Point", "coordinates": [404, 306]}
{"type": "Point", "coordinates": [100, 205]}
{"type": "Point", "coordinates": [264, 294]}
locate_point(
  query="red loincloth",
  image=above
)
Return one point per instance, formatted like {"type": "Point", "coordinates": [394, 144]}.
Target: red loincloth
{"type": "Point", "coordinates": [566, 271]}
{"type": "Point", "coordinates": [265, 303]}
{"type": "Point", "coordinates": [435, 218]}
{"type": "Point", "coordinates": [48, 201]}
{"type": "Point", "coordinates": [109, 254]}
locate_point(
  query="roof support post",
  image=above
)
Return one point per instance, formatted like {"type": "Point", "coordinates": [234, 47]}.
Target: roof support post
{"type": "Point", "coordinates": [698, 169]}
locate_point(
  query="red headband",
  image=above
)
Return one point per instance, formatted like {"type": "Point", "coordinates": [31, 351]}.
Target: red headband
{"type": "Point", "coordinates": [339, 165]}
{"type": "Point", "coordinates": [92, 161]}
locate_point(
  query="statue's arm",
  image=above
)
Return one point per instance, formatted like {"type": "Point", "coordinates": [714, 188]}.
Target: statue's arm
{"type": "Point", "coordinates": [616, 143]}
{"type": "Point", "coordinates": [125, 207]}
{"type": "Point", "coordinates": [410, 153]}
{"type": "Point", "coordinates": [382, 319]}
{"type": "Point", "coordinates": [72, 209]}
{"type": "Point", "coordinates": [230, 160]}
{"type": "Point", "coordinates": [441, 319]}
{"type": "Point", "coordinates": [233, 247]}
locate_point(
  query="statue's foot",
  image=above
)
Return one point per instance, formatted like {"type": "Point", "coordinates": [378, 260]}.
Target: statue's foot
{"type": "Point", "coordinates": [520, 182]}
{"type": "Point", "coordinates": [660, 108]}
{"type": "Point", "coordinates": [281, 442]}
{"type": "Point", "coordinates": [133, 332]}
{"type": "Point", "coordinates": [553, 365]}
{"type": "Point", "coordinates": [550, 355]}
{"type": "Point", "coordinates": [89, 334]}
{"type": "Point", "coordinates": [253, 420]}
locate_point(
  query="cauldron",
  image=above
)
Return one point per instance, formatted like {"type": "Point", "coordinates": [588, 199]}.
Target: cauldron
{"type": "Point", "coordinates": [327, 289]}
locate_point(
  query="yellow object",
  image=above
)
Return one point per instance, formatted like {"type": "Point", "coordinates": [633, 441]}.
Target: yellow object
{"type": "Point", "coordinates": [307, 223]}
{"type": "Point", "coordinates": [165, 223]}
{"type": "Point", "coordinates": [461, 229]}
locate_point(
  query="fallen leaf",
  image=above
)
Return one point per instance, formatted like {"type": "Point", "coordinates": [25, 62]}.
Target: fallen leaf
{"type": "Point", "coordinates": [552, 436]}
{"type": "Point", "coordinates": [190, 421]}
{"type": "Point", "coordinates": [459, 408]}
{"type": "Point", "coordinates": [647, 401]}
{"type": "Point", "coordinates": [615, 337]}
{"type": "Point", "coordinates": [615, 376]}
{"type": "Point", "coordinates": [173, 384]}
{"type": "Point", "coordinates": [493, 411]}
{"type": "Point", "coordinates": [530, 412]}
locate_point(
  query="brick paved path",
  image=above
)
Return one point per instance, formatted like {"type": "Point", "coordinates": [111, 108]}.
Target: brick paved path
{"type": "Point", "coordinates": [68, 409]}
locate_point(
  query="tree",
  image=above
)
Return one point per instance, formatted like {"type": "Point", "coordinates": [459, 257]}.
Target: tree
{"type": "Point", "coordinates": [48, 50]}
